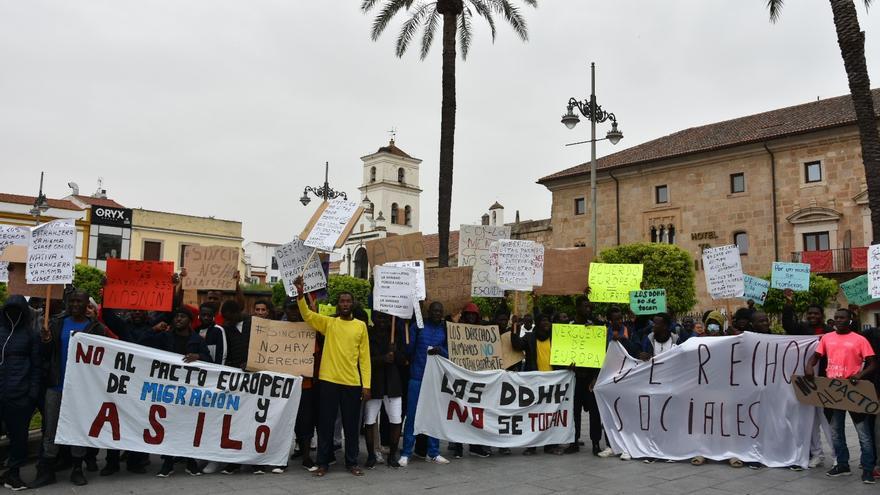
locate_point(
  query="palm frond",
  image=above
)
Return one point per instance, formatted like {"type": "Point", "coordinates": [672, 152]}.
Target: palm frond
{"type": "Point", "coordinates": [775, 8]}
{"type": "Point", "coordinates": [484, 12]}
{"type": "Point", "coordinates": [409, 28]}
{"type": "Point", "coordinates": [386, 14]}
{"type": "Point", "coordinates": [512, 15]}
{"type": "Point", "coordinates": [464, 32]}
{"type": "Point", "coordinates": [431, 23]}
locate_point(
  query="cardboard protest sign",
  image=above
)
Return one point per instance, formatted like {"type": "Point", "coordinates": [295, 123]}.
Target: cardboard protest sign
{"type": "Point", "coordinates": [419, 267]}
{"type": "Point", "coordinates": [582, 345]}
{"type": "Point", "coordinates": [11, 235]}
{"type": "Point", "coordinates": [712, 397]}
{"type": "Point", "coordinates": [281, 346]}
{"type": "Point", "coordinates": [145, 285]}
{"type": "Point", "coordinates": [331, 224]}
{"type": "Point", "coordinates": [647, 302]}
{"type": "Point", "coordinates": [516, 265]}
{"type": "Point", "coordinates": [480, 347]}
{"type": "Point", "coordinates": [856, 291]}
{"type": "Point", "coordinates": [210, 267]}
{"type": "Point", "coordinates": [51, 252]}
{"type": "Point", "coordinates": [755, 289]}
{"type": "Point", "coordinates": [723, 270]}
{"type": "Point", "coordinates": [874, 270]}
{"type": "Point", "coordinates": [473, 250]}
{"type": "Point", "coordinates": [18, 284]}
{"type": "Point", "coordinates": [495, 408]}
{"type": "Point", "coordinates": [837, 393]}
{"type": "Point", "coordinates": [123, 396]}
{"type": "Point", "coordinates": [393, 290]}
{"type": "Point", "coordinates": [611, 282]}
{"type": "Point", "coordinates": [408, 247]}
{"type": "Point", "coordinates": [794, 276]}
{"type": "Point", "coordinates": [292, 257]}
{"type": "Point", "coordinates": [449, 286]}
{"type": "Point", "coordinates": [566, 271]}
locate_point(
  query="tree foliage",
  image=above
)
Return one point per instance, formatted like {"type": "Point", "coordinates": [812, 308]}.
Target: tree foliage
{"type": "Point", "coordinates": [89, 279]}
{"type": "Point", "coordinates": [822, 292]}
{"type": "Point", "coordinates": [666, 267]}
{"type": "Point", "coordinates": [359, 288]}
{"type": "Point", "coordinates": [279, 295]}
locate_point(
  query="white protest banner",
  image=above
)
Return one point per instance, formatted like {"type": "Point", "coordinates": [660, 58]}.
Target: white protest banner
{"type": "Point", "coordinates": [11, 235]}
{"type": "Point", "coordinates": [724, 275]}
{"type": "Point", "coordinates": [419, 267]}
{"type": "Point", "coordinates": [874, 270]}
{"type": "Point", "coordinates": [755, 289]}
{"type": "Point", "coordinates": [516, 265]}
{"type": "Point", "coordinates": [291, 258]}
{"type": "Point", "coordinates": [332, 226]}
{"type": "Point", "coordinates": [51, 252]}
{"type": "Point", "coordinates": [124, 396]}
{"type": "Point", "coordinates": [495, 408]}
{"type": "Point", "coordinates": [473, 250]}
{"type": "Point", "coordinates": [393, 289]}
{"type": "Point", "coordinates": [716, 397]}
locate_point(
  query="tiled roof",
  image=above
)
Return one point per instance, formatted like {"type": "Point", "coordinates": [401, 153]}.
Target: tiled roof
{"type": "Point", "coordinates": [393, 149]}
{"type": "Point", "coordinates": [98, 201]}
{"type": "Point", "coordinates": [789, 121]}
{"type": "Point", "coordinates": [432, 244]}
{"type": "Point", "coordinates": [29, 200]}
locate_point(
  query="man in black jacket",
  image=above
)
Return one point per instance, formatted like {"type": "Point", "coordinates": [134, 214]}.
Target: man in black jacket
{"type": "Point", "coordinates": [387, 353]}
{"type": "Point", "coordinates": [814, 324]}
{"type": "Point", "coordinates": [54, 352]}
{"type": "Point", "coordinates": [20, 375]}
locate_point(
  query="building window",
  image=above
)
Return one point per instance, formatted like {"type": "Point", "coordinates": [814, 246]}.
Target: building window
{"type": "Point", "coordinates": [401, 175]}
{"type": "Point", "coordinates": [152, 251]}
{"type": "Point", "coordinates": [661, 194]}
{"type": "Point", "coordinates": [812, 172]}
{"type": "Point", "coordinates": [274, 263]}
{"type": "Point", "coordinates": [407, 215]}
{"type": "Point", "coordinates": [394, 213]}
{"type": "Point", "coordinates": [670, 234]}
{"type": "Point", "coordinates": [817, 241]}
{"type": "Point", "coordinates": [737, 183]}
{"type": "Point", "coordinates": [109, 246]}
{"type": "Point", "coordinates": [653, 234]}
{"type": "Point", "coordinates": [183, 253]}
{"type": "Point", "coordinates": [361, 268]}
{"type": "Point", "coordinates": [741, 239]}
{"type": "Point", "coordinates": [273, 279]}
{"type": "Point", "coordinates": [580, 206]}
{"type": "Point", "coordinates": [372, 174]}
{"type": "Point", "coordinates": [662, 236]}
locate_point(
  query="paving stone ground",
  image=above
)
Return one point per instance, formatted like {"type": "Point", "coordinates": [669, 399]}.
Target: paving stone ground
{"type": "Point", "coordinates": [504, 475]}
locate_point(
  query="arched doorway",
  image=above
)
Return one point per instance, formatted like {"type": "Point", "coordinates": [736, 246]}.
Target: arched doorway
{"type": "Point", "coordinates": [361, 265]}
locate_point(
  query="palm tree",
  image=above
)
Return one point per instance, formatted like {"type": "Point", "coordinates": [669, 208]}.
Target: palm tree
{"type": "Point", "coordinates": [851, 39]}
{"type": "Point", "coordinates": [456, 16]}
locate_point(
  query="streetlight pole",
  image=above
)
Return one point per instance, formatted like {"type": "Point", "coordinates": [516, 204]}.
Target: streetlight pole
{"type": "Point", "coordinates": [324, 192]}
{"type": "Point", "coordinates": [41, 204]}
{"type": "Point", "coordinates": [595, 114]}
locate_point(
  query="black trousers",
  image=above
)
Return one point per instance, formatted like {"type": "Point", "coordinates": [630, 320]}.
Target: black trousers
{"type": "Point", "coordinates": [346, 399]}
{"type": "Point", "coordinates": [16, 415]}
{"type": "Point", "coordinates": [307, 414]}
{"type": "Point", "coordinates": [585, 400]}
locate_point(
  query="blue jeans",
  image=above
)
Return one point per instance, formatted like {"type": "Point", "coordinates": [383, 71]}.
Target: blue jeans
{"type": "Point", "coordinates": [838, 438]}
{"type": "Point", "coordinates": [409, 438]}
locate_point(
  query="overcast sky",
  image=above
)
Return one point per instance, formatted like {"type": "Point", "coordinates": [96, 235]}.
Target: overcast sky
{"type": "Point", "coordinates": [229, 108]}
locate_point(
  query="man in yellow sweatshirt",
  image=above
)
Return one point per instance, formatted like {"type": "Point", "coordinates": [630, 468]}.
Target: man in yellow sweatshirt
{"type": "Point", "coordinates": [346, 350]}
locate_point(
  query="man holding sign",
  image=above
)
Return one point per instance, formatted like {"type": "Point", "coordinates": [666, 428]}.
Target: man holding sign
{"type": "Point", "coordinates": [346, 351]}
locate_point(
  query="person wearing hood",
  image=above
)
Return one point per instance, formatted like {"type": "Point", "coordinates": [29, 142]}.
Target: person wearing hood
{"type": "Point", "coordinates": [714, 321]}
{"type": "Point", "coordinates": [20, 373]}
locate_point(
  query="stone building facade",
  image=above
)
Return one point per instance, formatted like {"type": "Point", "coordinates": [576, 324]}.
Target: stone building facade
{"type": "Point", "coordinates": [786, 185]}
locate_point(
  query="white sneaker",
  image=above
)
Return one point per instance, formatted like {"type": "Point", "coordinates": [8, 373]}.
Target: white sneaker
{"type": "Point", "coordinates": [625, 457]}
{"type": "Point", "coordinates": [438, 460]}
{"type": "Point", "coordinates": [379, 457]}
{"type": "Point", "coordinates": [816, 461]}
{"type": "Point", "coordinates": [606, 453]}
{"type": "Point", "coordinates": [403, 461]}
{"type": "Point", "coordinates": [211, 467]}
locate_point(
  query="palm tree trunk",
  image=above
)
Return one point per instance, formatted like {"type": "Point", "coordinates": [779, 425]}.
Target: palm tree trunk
{"type": "Point", "coordinates": [852, 48]}
{"type": "Point", "coordinates": [447, 136]}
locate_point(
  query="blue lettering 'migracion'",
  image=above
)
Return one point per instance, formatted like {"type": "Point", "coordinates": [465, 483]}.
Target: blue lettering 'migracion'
{"type": "Point", "coordinates": [175, 394]}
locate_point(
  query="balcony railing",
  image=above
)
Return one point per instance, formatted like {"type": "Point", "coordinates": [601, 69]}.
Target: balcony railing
{"type": "Point", "coordinates": [834, 260]}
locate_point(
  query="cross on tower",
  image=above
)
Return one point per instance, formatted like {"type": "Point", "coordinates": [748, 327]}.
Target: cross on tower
{"type": "Point", "coordinates": [393, 133]}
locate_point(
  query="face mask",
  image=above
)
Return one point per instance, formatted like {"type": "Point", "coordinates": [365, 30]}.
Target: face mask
{"type": "Point", "coordinates": [714, 328]}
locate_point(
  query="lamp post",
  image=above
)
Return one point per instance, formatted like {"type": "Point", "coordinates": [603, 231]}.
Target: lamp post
{"type": "Point", "coordinates": [324, 192]}
{"type": "Point", "coordinates": [41, 204]}
{"type": "Point", "coordinates": [595, 114]}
